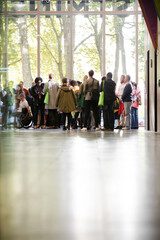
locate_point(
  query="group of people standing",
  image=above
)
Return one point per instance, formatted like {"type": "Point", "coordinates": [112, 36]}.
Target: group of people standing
{"type": "Point", "coordinates": [78, 102]}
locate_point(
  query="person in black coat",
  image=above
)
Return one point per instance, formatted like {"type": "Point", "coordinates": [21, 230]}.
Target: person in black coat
{"type": "Point", "coordinates": [109, 98]}
{"type": "Point", "coordinates": [38, 95]}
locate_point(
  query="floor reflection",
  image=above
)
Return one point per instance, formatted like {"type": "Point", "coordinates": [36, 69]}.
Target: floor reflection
{"type": "Point", "coordinates": [79, 186]}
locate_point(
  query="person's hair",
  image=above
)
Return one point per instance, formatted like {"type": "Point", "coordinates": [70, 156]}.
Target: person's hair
{"type": "Point", "coordinates": [103, 78]}
{"type": "Point", "coordinates": [134, 84]}
{"type": "Point", "coordinates": [123, 76]}
{"type": "Point", "coordinates": [72, 82]}
{"type": "Point", "coordinates": [128, 76]}
{"type": "Point", "coordinates": [19, 85]}
{"type": "Point", "coordinates": [38, 79]}
{"type": "Point", "coordinates": [91, 73]}
{"type": "Point", "coordinates": [50, 75]}
{"type": "Point", "coordinates": [85, 78]}
{"type": "Point", "coordinates": [109, 75]}
{"type": "Point", "coordinates": [64, 80]}
{"type": "Point", "coordinates": [21, 95]}
{"type": "Point", "coordinates": [21, 82]}
{"type": "Point", "coordinates": [79, 82]}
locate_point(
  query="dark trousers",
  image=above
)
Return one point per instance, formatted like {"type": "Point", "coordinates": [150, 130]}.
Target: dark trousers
{"type": "Point", "coordinates": [108, 116]}
{"type": "Point", "coordinates": [52, 117]}
{"type": "Point", "coordinates": [88, 105]}
{"type": "Point", "coordinates": [4, 111]}
{"type": "Point", "coordinates": [134, 117]}
{"type": "Point", "coordinates": [35, 115]}
{"type": "Point", "coordinates": [69, 119]}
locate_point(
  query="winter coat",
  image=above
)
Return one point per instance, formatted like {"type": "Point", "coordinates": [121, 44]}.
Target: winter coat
{"type": "Point", "coordinates": [127, 93]}
{"type": "Point", "coordinates": [89, 86]}
{"type": "Point", "coordinates": [38, 101]}
{"type": "Point", "coordinates": [66, 99]}
{"type": "Point", "coordinates": [53, 90]}
{"type": "Point", "coordinates": [109, 91]}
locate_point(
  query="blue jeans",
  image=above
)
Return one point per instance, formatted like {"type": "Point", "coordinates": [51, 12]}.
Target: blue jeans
{"type": "Point", "coordinates": [134, 117]}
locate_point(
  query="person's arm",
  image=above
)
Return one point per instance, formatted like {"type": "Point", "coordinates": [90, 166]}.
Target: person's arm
{"type": "Point", "coordinates": [80, 90]}
{"type": "Point", "coordinates": [29, 111]}
{"type": "Point", "coordinates": [45, 87]}
{"type": "Point", "coordinates": [74, 97]}
{"type": "Point", "coordinates": [57, 97]}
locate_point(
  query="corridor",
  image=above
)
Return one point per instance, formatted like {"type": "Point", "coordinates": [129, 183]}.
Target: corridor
{"type": "Point", "coordinates": [75, 185]}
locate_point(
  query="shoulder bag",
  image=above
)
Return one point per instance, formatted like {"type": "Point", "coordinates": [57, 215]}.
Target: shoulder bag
{"type": "Point", "coordinates": [46, 99]}
{"type": "Point", "coordinates": [101, 97]}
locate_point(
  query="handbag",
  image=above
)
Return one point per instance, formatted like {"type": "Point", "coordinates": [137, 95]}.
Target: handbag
{"type": "Point", "coordinates": [46, 99]}
{"type": "Point", "coordinates": [101, 97]}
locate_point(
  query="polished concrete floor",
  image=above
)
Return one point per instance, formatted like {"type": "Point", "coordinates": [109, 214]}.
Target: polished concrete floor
{"type": "Point", "coordinates": [75, 185]}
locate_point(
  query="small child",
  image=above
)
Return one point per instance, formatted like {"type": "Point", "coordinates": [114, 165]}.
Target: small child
{"type": "Point", "coordinates": [66, 102]}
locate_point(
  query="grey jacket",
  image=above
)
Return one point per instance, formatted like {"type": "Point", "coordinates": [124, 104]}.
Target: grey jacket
{"type": "Point", "coordinates": [89, 86]}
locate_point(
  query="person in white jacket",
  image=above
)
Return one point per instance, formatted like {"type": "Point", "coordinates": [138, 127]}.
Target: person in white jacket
{"type": "Point", "coordinates": [52, 87]}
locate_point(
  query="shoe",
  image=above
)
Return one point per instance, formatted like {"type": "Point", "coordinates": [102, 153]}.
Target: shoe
{"type": "Point", "coordinates": [118, 127]}
{"type": "Point", "coordinates": [107, 130]}
{"type": "Point", "coordinates": [84, 129]}
{"type": "Point", "coordinates": [35, 127]}
{"type": "Point", "coordinates": [64, 128]}
{"type": "Point", "coordinates": [43, 127]}
{"type": "Point", "coordinates": [125, 128]}
{"type": "Point", "coordinates": [55, 127]}
{"type": "Point", "coordinates": [97, 129]}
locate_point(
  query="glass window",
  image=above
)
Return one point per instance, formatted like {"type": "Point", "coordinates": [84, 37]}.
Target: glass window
{"type": "Point", "coordinates": [87, 5]}
{"type": "Point", "coordinates": [120, 5]}
{"type": "Point", "coordinates": [55, 5]}
{"type": "Point", "coordinates": [22, 5]}
{"type": "Point", "coordinates": [87, 45]}
{"type": "Point", "coordinates": [2, 5]}
{"type": "Point", "coordinates": [120, 46]}
{"type": "Point", "coordinates": [55, 46]}
{"type": "Point", "coordinates": [3, 51]}
{"type": "Point", "coordinates": [22, 49]}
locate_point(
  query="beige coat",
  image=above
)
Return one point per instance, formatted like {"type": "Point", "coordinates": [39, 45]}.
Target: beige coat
{"type": "Point", "coordinates": [66, 100]}
{"type": "Point", "coordinates": [53, 90]}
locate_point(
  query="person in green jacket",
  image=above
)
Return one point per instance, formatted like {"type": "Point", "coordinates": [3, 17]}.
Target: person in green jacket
{"type": "Point", "coordinates": [66, 102]}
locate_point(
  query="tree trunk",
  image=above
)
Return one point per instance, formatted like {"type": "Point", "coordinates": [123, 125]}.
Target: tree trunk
{"type": "Point", "coordinates": [4, 51]}
{"type": "Point", "coordinates": [26, 70]}
{"type": "Point", "coordinates": [98, 41]}
{"type": "Point", "coordinates": [123, 54]}
{"type": "Point", "coordinates": [116, 66]}
{"type": "Point", "coordinates": [66, 24]}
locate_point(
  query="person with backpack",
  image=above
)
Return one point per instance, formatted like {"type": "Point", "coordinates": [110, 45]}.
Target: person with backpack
{"type": "Point", "coordinates": [136, 101]}
{"type": "Point", "coordinates": [91, 93]}
{"type": "Point", "coordinates": [66, 102]}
